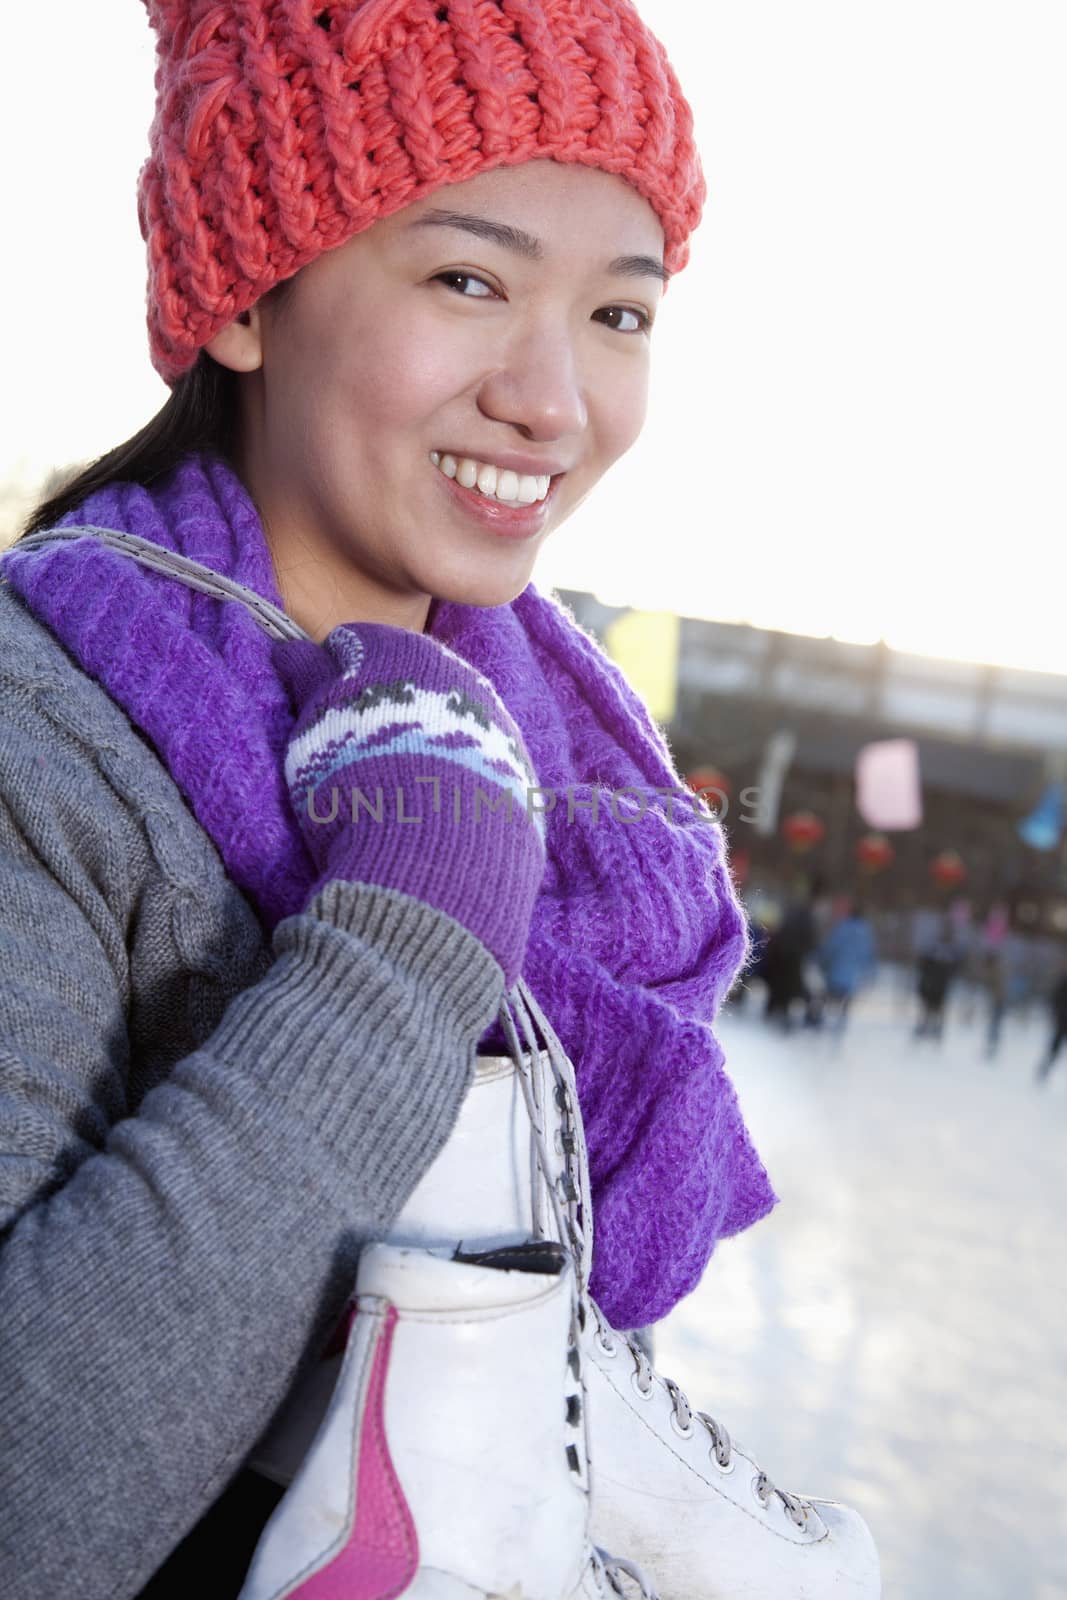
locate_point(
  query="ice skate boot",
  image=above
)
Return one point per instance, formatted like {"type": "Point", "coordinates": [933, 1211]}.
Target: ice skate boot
{"type": "Point", "coordinates": [451, 1462]}
{"type": "Point", "coordinates": [697, 1509]}
{"type": "Point", "coordinates": [672, 1488]}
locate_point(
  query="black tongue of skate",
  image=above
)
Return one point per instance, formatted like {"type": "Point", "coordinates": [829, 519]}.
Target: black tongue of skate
{"type": "Point", "coordinates": [536, 1255]}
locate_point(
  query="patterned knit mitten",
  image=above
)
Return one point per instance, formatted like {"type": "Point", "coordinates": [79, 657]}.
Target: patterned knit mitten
{"type": "Point", "coordinates": [406, 770]}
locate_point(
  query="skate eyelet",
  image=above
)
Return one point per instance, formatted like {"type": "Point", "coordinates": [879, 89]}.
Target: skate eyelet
{"type": "Point", "coordinates": [607, 1347]}
{"type": "Point", "coordinates": [642, 1394]}
{"type": "Point", "coordinates": [724, 1467]}
{"type": "Point", "coordinates": [760, 1501]}
{"type": "Point", "coordinates": [683, 1433]}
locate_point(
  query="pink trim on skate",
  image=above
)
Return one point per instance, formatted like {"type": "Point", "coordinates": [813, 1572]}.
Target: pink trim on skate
{"type": "Point", "coordinates": [380, 1557]}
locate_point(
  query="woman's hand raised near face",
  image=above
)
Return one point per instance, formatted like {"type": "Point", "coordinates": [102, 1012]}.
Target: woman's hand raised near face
{"type": "Point", "coordinates": [406, 770]}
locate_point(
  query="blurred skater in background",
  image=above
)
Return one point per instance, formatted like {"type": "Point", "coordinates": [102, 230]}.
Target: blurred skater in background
{"type": "Point", "coordinates": [994, 979]}
{"type": "Point", "coordinates": [789, 948]}
{"type": "Point", "coordinates": [1058, 1006]}
{"type": "Point", "coordinates": [938, 965]}
{"type": "Point", "coordinates": [848, 959]}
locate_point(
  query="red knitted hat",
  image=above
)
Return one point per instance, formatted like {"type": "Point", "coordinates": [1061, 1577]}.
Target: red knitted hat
{"type": "Point", "coordinates": [284, 127]}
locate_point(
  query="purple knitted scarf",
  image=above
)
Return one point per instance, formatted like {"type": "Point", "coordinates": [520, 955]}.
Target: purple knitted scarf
{"type": "Point", "coordinates": [637, 934]}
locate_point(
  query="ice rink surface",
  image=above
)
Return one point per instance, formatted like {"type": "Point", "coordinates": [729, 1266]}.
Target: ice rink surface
{"type": "Point", "coordinates": [894, 1335]}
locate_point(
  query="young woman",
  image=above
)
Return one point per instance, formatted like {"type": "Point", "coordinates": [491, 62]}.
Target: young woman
{"type": "Point", "coordinates": [404, 264]}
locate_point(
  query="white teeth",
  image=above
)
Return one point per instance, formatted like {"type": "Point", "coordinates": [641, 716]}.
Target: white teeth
{"type": "Point", "coordinates": [496, 483]}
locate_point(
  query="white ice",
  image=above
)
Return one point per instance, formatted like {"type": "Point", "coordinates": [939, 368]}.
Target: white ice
{"type": "Point", "coordinates": [894, 1335]}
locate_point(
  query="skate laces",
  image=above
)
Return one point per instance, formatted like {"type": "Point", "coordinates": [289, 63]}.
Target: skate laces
{"type": "Point", "coordinates": [645, 1376]}
{"type": "Point", "coordinates": [565, 1200]}
{"type": "Point", "coordinates": [613, 1568]}
{"type": "Point", "coordinates": [575, 1222]}
{"type": "Point", "coordinates": [566, 1193]}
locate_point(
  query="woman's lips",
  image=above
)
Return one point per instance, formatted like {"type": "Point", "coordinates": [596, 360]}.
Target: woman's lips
{"type": "Point", "coordinates": [508, 522]}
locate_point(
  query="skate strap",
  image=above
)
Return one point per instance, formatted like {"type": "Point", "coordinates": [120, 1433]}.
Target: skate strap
{"type": "Point", "coordinates": [278, 624]}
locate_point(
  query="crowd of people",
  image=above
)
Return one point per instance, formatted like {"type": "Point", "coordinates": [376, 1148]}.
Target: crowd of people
{"type": "Point", "coordinates": [813, 953]}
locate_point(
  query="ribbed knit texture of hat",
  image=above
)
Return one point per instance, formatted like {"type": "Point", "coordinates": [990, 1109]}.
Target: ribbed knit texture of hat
{"type": "Point", "coordinates": [285, 127]}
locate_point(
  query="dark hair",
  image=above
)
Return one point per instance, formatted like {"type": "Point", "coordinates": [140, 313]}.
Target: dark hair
{"type": "Point", "coordinates": [202, 413]}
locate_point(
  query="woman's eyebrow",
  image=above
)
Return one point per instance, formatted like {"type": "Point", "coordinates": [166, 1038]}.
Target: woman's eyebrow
{"type": "Point", "coordinates": [525, 244]}
{"type": "Point", "coordinates": [639, 267]}
{"type": "Point", "coordinates": [502, 233]}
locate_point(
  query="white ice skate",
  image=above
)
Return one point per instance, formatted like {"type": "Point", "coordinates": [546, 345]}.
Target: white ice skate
{"type": "Point", "coordinates": [451, 1462]}
{"type": "Point", "coordinates": [699, 1512]}
{"type": "Point", "coordinates": [671, 1487]}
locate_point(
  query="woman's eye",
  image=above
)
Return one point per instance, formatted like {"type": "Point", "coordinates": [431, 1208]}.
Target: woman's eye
{"type": "Point", "coordinates": [455, 279]}
{"type": "Point", "coordinates": [641, 319]}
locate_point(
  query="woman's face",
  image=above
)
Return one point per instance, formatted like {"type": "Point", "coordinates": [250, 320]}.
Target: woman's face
{"type": "Point", "coordinates": [499, 323]}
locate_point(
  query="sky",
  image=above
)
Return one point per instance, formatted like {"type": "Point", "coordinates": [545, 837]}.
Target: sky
{"type": "Point", "coordinates": [859, 398]}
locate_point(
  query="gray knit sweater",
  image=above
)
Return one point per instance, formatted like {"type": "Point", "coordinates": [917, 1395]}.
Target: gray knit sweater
{"type": "Point", "coordinates": [198, 1130]}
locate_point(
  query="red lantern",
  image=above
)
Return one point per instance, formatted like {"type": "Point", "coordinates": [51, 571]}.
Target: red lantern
{"type": "Point", "coordinates": [712, 787]}
{"type": "Point", "coordinates": [802, 830]}
{"type": "Point", "coordinates": [947, 869]}
{"type": "Point", "coordinates": [708, 778]}
{"type": "Point", "coordinates": [874, 852]}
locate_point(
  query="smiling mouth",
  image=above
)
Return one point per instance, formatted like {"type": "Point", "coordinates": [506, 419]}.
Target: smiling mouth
{"type": "Point", "coordinates": [498, 484]}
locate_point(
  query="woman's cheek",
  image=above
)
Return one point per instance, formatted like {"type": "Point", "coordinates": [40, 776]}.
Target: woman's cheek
{"type": "Point", "coordinates": [632, 413]}
{"type": "Point", "coordinates": [616, 434]}
{"type": "Point", "coordinates": [407, 381]}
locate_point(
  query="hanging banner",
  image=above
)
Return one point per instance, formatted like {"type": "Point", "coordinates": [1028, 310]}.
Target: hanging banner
{"type": "Point", "coordinates": [888, 791]}
{"type": "Point", "coordinates": [645, 645]}
{"type": "Point", "coordinates": [776, 759]}
{"type": "Point", "coordinates": [1043, 828]}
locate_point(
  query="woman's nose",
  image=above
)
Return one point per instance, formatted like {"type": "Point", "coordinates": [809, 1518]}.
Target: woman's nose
{"type": "Point", "coordinates": [537, 388]}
